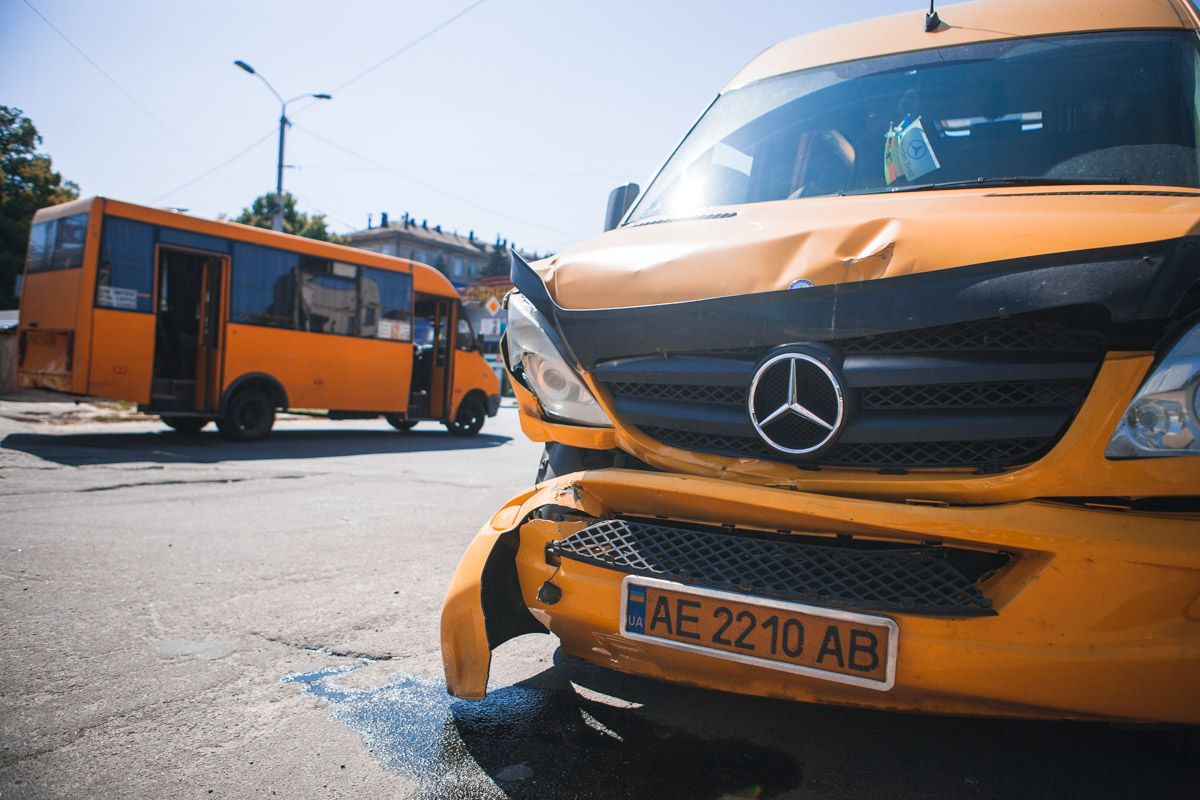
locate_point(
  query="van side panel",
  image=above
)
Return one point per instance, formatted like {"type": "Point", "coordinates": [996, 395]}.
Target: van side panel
{"type": "Point", "coordinates": [123, 358]}
{"type": "Point", "coordinates": [323, 371]}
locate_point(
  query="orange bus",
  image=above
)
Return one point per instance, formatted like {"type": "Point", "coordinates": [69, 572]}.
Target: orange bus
{"type": "Point", "coordinates": [197, 320]}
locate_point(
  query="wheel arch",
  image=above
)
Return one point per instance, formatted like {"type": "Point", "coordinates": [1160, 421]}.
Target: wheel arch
{"type": "Point", "coordinates": [258, 380]}
{"type": "Point", "coordinates": [475, 394]}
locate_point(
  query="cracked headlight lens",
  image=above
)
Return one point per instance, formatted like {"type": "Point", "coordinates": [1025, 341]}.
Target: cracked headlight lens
{"type": "Point", "coordinates": [1164, 417]}
{"type": "Point", "coordinates": [562, 394]}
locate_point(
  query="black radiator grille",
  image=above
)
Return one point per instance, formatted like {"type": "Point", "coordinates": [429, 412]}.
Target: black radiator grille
{"type": "Point", "coordinates": [985, 395]}
{"type": "Point", "coordinates": [985, 335]}
{"type": "Point", "coordinates": [867, 576]}
{"type": "Point", "coordinates": [717, 395]}
{"type": "Point", "coordinates": [1021, 394]}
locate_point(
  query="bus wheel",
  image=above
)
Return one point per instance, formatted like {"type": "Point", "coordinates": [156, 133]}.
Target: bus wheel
{"type": "Point", "coordinates": [184, 424]}
{"type": "Point", "coordinates": [249, 416]}
{"type": "Point", "coordinates": [400, 423]}
{"type": "Point", "coordinates": [469, 419]}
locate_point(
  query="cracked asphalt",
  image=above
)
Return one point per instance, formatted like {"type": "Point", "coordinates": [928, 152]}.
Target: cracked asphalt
{"type": "Point", "coordinates": [189, 617]}
{"type": "Point", "coordinates": [156, 588]}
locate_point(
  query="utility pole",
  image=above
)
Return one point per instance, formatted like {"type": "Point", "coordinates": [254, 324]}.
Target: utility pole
{"type": "Point", "coordinates": [277, 204]}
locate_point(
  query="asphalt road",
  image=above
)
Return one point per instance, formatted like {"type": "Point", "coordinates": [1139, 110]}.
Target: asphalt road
{"type": "Point", "coordinates": [188, 617]}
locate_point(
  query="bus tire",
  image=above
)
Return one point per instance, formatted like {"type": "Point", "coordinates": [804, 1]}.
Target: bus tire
{"type": "Point", "coordinates": [469, 419]}
{"type": "Point", "coordinates": [183, 424]}
{"type": "Point", "coordinates": [400, 423]}
{"type": "Point", "coordinates": [249, 416]}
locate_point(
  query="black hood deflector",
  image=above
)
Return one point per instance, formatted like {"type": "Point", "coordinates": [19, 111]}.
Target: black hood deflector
{"type": "Point", "coordinates": [1132, 282]}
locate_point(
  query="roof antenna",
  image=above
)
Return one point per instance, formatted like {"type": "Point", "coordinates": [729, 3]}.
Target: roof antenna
{"type": "Point", "coordinates": [931, 19]}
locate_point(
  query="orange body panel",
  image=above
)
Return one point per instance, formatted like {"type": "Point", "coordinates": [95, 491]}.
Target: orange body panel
{"type": "Point", "coordinates": [835, 240]}
{"type": "Point", "coordinates": [122, 355]}
{"type": "Point", "coordinates": [50, 301]}
{"type": "Point", "coordinates": [323, 371]}
{"type": "Point", "coordinates": [471, 371]}
{"type": "Point", "coordinates": [965, 23]}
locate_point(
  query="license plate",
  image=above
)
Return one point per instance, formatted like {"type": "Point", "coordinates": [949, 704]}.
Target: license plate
{"type": "Point", "coordinates": [840, 646]}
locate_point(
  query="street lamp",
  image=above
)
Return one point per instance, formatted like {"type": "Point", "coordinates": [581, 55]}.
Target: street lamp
{"type": "Point", "coordinates": [277, 224]}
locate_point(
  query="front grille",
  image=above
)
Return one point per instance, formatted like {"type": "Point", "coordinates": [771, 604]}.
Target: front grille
{"type": "Point", "coordinates": [718, 395]}
{"type": "Point", "coordinates": [1024, 394]}
{"type": "Point", "coordinates": [900, 455]}
{"type": "Point", "coordinates": [711, 442]}
{"type": "Point", "coordinates": [867, 576]}
{"type": "Point", "coordinates": [987, 395]}
{"type": "Point", "coordinates": [985, 335]}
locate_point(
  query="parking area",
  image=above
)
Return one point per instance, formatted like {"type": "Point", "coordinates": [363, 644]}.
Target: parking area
{"type": "Point", "coordinates": [190, 617]}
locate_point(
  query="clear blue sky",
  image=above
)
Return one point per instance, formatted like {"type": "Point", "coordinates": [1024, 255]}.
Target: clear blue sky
{"type": "Point", "coordinates": [531, 110]}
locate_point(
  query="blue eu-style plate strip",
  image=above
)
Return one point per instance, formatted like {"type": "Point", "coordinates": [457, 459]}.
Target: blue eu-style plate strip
{"type": "Point", "coordinates": [635, 608]}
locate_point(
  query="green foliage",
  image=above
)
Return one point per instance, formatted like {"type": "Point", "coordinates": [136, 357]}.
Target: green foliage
{"type": "Point", "coordinates": [27, 183]}
{"type": "Point", "coordinates": [499, 261]}
{"type": "Point", "coordinates": [261, 214]}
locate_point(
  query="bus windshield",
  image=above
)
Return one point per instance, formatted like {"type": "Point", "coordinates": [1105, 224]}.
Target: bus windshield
{"type": "Point", "coordinates": [1093, 108]}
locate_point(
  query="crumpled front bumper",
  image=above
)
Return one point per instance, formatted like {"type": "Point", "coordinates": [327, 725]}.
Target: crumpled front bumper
{"type": "Point", "coordinates": [1097, 612]}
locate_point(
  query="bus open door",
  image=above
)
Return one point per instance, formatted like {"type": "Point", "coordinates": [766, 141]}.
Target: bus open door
{"type": "Point", "coordinates": [187, 342]}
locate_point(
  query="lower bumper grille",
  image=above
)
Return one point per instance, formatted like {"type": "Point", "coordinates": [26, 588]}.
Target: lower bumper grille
{"type": "Point", "coordinates": [863, 576]}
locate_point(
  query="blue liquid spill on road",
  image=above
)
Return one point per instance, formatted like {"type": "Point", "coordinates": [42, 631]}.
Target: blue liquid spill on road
{"type": "Point", "coordinates": [540, 743]}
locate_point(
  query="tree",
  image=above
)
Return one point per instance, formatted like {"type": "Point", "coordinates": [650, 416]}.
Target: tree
{"type": "Point", "coordinates": [27, 183]}
{"type": "Point", "coordinates": [499, 261]}
{"type": "Point", "coordinates": [261, 214]}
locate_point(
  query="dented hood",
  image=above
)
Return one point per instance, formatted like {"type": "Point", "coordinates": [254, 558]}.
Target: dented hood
{"type": "Point", "coordinates": [844, 240]}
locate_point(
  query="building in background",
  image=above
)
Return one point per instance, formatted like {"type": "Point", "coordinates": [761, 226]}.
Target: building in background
{"type": "Point", "coordinates": [460, 258]}
{"type": "Point", "coordinates": [479, 270]}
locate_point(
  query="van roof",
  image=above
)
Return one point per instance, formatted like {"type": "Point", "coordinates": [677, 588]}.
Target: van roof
{"type": "Point", "coordinates": [966, 23]}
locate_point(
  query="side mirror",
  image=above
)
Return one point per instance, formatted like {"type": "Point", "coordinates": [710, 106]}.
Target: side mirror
{"type": "Point", "coordinates": [619, 201]}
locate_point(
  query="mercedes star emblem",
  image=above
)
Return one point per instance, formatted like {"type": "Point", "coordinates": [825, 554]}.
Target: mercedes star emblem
{"type": "Point", "coordinates": [796, 403]}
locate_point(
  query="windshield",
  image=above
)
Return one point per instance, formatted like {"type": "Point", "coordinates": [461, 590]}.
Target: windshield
{"type": "Point", "coordinates": [1111, 107]}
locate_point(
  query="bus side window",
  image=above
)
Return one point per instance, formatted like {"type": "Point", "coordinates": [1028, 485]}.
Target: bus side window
{"type": "Point", "coordinates": [466, 336]}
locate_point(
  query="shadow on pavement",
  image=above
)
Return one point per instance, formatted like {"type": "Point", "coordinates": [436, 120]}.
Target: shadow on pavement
{"type": "Point", "coordinates": [856, 753]}
{"type": "Point", "coordinates": [577, 731]}
{"type": "Point", "coordinates": [542, 740]}
{"type": "Point", "coordinates": [211, 447]}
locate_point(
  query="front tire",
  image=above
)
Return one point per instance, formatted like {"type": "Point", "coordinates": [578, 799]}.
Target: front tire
{"type": "Point", "coordinates": [469, 419]}
{"type": "Point", "coordinates": [249, 416]}
{"type": "Point", "coordinates": [185, 425]}
{"type": "Point", "coordinates": [400, 423]}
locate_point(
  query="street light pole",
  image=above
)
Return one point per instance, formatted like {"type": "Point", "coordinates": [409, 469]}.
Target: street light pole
{"type": "Point", "coordinates": [277, 221]}
{"type": "Point", "coordinates": [283, 123]}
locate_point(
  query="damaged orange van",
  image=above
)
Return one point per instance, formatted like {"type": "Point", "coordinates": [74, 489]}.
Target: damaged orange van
{"type": "Point", "coordinates": [884, 392]}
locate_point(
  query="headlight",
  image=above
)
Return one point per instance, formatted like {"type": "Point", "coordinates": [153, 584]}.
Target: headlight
{"type": "Point", "coordinates": [1164, 417]}
{"type": "Point", "coordinates": [560, 391]}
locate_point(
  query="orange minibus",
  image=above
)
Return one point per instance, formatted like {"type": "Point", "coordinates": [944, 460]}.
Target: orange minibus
{"type": "Point", "coordinates": [198, 320]}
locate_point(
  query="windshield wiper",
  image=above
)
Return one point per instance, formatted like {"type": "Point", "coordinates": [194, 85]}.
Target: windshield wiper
{"type": "Point", "coordinates": [1009, 181]}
